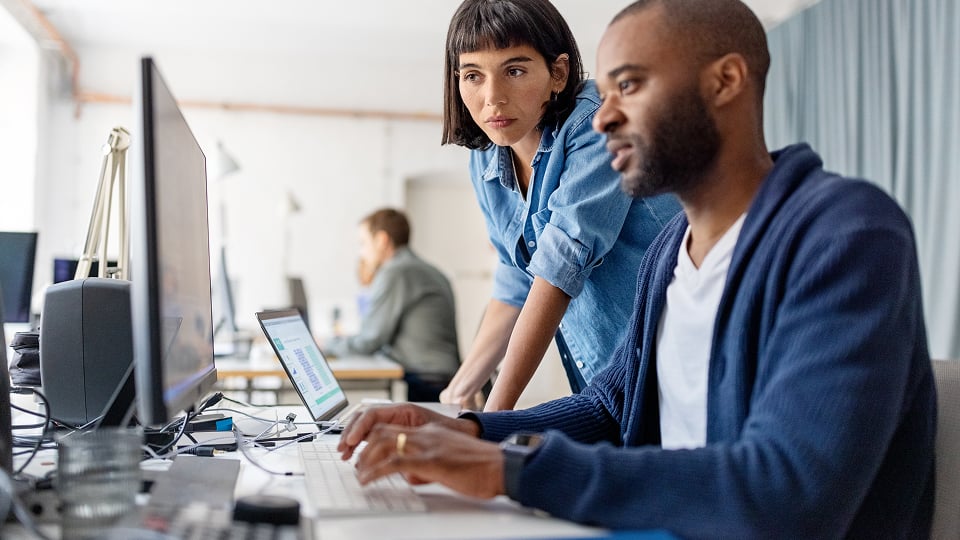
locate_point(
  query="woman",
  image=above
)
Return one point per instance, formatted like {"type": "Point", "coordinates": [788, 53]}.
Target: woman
{"type": "Point", "coordinates": [568, 240]}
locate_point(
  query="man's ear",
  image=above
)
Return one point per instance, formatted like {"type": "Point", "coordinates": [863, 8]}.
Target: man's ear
{"type": "Point", "coordinates": [560, 72]}
{"type": "Point", "coordinates": [726, 79]}
{"type": "Point", "coordinates": [382, 240]}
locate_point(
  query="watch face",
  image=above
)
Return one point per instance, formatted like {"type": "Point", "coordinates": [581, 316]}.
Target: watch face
{"type": "Point", "coordinates": [529, 440]}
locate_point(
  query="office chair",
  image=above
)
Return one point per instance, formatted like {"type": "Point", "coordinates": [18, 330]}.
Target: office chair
{"type": "Point", "coordinates": [946, 510]}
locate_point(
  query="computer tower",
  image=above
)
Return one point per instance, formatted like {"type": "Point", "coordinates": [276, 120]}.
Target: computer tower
{"type": "Point", "coordinates": [86, 345]}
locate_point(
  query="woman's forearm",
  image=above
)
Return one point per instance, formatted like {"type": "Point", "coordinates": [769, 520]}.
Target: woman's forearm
{"type": "Point", "coordinates": [488, 349]}
{"type": "Point", "coordinates": [535, 327]}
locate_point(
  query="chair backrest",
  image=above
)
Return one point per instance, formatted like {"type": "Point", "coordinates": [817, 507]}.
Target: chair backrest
{"type": "Point", "coordinates": [946, 513]}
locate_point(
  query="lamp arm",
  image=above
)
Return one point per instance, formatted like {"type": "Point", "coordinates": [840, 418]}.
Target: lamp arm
{"type": "Point", "coordinates": [113, 166]}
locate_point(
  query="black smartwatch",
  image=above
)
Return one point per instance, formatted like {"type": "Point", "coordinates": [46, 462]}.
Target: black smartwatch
{"type": "Point", "coordinates": [517, 450]}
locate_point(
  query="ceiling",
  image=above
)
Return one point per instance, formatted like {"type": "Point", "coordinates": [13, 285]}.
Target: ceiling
{"type": "Point", "coordinates": [367, 35]}
{"type": "Point", "coordinates": [295, 25]}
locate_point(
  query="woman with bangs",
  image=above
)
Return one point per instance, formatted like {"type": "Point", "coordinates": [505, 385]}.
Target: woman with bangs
{"type": "Point", "coordinates": [569, 241]}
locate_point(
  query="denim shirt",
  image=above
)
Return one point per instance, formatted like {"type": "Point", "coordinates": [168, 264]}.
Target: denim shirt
{"type": "Point", "coordinates": [576, 228]}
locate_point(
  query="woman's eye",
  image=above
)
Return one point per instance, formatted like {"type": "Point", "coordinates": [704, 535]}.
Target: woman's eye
{"type": "Point", "coordinates": [470, 77]}
{"type": "Point", "coordinates": [515, 72]}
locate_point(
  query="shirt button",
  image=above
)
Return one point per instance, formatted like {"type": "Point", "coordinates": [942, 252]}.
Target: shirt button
{"type": "Point", "coordinates": [579, 364]}
{"type": "Point", "coordinates": [531, 243]}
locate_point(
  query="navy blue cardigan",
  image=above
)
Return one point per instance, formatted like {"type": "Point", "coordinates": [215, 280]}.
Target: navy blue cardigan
{"type": "Point", "coordinates": [821, 409]}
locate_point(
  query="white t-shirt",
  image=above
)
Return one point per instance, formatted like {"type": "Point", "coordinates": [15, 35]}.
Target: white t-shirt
{"type": "Point", "coordinates": [684, 336]}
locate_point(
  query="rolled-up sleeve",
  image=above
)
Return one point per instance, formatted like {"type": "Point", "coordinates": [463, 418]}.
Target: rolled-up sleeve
{"type": "Point", "coordinates": [511, 284]}
{"type": "Point", "coordinates": [584, 216]}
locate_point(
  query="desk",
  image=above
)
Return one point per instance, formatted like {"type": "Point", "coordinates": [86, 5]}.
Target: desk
{"type": "Point", "coordinates": [449, 515]}
{"type": "Point", "coordinates": [353, 372]}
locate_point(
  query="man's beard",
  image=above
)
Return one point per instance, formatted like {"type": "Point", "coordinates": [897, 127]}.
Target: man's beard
{"type": "Point", "coordinates": [685, 143]}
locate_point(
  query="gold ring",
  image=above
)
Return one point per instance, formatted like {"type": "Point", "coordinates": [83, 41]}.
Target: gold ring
{"type": "Point", "coordinates": [401, 442]}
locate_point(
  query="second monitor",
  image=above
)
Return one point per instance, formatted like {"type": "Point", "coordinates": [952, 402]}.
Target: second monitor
{"type": "Point", "coordinates": [170, 257]}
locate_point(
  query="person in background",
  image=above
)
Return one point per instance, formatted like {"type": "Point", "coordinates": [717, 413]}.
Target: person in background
{"type": "Point", "coordinates": [365, 275]}
{"type": "Point", "coordinates": [568, 239]}
{"type": "Point", "coordinates": [775, 381]}
{"type": "Point", "coordinates": [411, 314]}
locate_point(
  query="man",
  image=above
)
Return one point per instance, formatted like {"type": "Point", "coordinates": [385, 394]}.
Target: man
{"type": "Point", "coordinates": [776, 382]}
{"type": "Point", "coordinates": [410, 313]}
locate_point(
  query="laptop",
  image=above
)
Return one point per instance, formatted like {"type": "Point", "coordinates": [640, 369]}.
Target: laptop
{"type": "Point", "coordinates": [305, 365]}
{"type": "Point", "coordinates": [332, 485]}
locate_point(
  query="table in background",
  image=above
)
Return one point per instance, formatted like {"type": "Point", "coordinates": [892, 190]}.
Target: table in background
{"type": "Point", "coordinates": [352, 372]}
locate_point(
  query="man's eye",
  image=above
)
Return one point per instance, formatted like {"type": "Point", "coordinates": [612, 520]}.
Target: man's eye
{"type": "Point", "coordinates": [627, 86]}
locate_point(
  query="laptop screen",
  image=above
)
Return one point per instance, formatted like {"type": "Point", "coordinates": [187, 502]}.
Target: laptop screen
{"type": "Point", "coordinates": [304, 363]}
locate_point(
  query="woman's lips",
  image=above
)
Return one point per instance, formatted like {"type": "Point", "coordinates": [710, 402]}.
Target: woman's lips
{"type": "Point", "coordinates": [499, 122]}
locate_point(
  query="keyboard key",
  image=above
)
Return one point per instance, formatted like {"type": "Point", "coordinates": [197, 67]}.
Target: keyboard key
{"type": "Point", "coordinates": [333, 488]}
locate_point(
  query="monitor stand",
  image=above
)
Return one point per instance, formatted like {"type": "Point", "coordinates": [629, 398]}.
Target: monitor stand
{"type": "Point", "coordinates": [121, 407]}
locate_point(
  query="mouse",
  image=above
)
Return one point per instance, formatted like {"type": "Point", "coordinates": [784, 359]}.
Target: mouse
{"type": "Point", "coordinates": [273, 509]}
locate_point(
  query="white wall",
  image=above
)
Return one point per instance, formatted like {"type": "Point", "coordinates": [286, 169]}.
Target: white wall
{"type": "Point", "coordinates": [338, 169]}
{"type": "Point", "coordinates": [18, 134]}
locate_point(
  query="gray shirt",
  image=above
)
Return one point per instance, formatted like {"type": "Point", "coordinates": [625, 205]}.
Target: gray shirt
{"type": "Point", "coordinates": [411, 318]}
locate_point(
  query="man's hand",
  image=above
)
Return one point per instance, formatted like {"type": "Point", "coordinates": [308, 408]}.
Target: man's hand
{"type": "Point", "coordinates": [433, 453]}
{"type": "Point", "coordinates": [360, 426]}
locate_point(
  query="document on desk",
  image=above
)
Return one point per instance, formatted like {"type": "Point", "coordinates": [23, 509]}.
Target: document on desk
{"type": "Point", "coordinates": [190, 478]}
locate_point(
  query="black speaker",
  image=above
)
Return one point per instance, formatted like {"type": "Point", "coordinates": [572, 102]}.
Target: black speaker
{"type": "Point", "coordinates": [86, 345]}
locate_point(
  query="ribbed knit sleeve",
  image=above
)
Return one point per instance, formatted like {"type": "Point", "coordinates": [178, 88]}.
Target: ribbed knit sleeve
{"type": "Point", "coordinates": [821, 408]}
{"type": "Point", "coordinates": [581, 417]}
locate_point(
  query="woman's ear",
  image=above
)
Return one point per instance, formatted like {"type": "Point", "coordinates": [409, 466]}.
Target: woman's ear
{"type": "Point", "coordinates": [560, 71]}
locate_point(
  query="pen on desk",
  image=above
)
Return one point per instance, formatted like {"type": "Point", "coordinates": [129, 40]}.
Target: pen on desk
{"type": "Point", "coordinates": [306, 437]}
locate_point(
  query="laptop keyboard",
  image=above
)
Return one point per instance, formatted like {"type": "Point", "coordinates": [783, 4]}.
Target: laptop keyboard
{"type": "Point", "coordinates": [333, 488]}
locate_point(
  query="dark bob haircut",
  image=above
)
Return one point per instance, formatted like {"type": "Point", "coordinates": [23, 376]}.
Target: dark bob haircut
{"type": "Point", "coordinates": [483, 24]}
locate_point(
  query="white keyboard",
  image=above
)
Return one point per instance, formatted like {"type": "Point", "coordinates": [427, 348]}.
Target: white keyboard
{"type": "Point", "coordinates": [333, 488]}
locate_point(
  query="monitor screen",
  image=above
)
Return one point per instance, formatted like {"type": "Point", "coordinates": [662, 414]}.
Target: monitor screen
{"type": "Point", "coordinates": [298, 297]}
{"type": "Point", "coordinates": [66, 269]}
{"type": "Point", "coordinates": [17, 252]}
{"type": "Point", "coordinates": [170, 257]}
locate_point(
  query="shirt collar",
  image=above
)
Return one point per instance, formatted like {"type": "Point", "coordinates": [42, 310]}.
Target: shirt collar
{"type": "Point", "coordinates": [503, 161]}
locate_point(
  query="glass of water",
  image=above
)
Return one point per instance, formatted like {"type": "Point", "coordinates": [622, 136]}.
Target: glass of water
{"type": "Point", "coordinates": [98, 477]}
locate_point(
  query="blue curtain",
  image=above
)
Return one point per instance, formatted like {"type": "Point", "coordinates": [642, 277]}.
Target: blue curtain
{"type": "Point", "coordinates": [874, 87]}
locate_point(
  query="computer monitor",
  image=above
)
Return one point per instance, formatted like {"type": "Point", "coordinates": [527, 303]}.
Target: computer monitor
{"type": "Point", "coordinates": [298, 297]}
{"type": "Point", "coordinates": [17, 253]}
{"type": "Point", "coordinates": [171, 314]}
{"type": "Point", "coordinates": [224, 309]}
{"type": "Point", "coordinates": [66, 269]}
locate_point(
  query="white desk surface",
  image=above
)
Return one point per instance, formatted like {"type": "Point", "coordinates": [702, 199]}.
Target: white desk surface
{"type": "Point", "coordinates": [347, 367]}
{"type": "Point", "coordinates": [449, 515]}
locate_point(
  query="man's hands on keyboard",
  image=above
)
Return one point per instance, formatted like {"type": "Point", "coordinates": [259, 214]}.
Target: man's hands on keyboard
{"type": "Point", "coordinates": [404, 414]}
{"type": "Point", "coordinates": [433, 453]}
